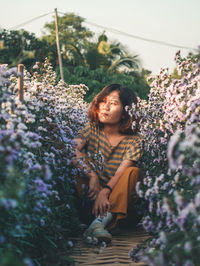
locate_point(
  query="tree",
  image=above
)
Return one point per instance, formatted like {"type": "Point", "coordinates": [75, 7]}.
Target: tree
{"type": "Point", "coordinates": [94, 59]}
{"type": "Point", "coordinates": [96, 79]}
{"type": "Point", "coordinates": [118, 55]}
{"type": "Point", "coordinates": [110, 55]}
{"type": "Point", "coordinates": [79, 49]}
{"type": "Point", "coordinates": [74, 38]}
{"type": "Point", "coordinates": [23, 47]}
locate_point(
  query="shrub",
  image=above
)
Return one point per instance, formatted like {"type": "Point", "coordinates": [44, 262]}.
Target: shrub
{"type": "Point", "coordinates": [37, 175]}
{"type": "Point", "coordinates": [171, 130]}
{"type": "Point", "coordinates": [98, 78]}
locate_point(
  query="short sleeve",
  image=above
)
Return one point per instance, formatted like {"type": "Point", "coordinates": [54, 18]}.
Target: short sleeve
{"type": "Point", "coordinates": [85, 132]}
{"type": "Point", "coordinates": [133, 151]}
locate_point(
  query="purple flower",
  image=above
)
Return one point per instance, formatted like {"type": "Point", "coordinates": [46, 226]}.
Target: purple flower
{"type": "Point", "coordinates": [2, 239]}
{"type": "Point", "coordinates": [28, 262]}
{"type": "Point", "coordinates": [42, 222]}
{"type": "Point", "coordinates": [40, 185]}
{"type": "Point", "coordinates": [8, 203]}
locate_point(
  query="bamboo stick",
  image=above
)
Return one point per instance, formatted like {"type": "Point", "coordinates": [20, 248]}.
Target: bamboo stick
{"type": "Point", "coordinates": [21, 82]}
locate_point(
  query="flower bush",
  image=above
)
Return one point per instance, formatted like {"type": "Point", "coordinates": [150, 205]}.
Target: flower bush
{"type": "Point", "coordinates": [170, 124]}
{"type": "Point", "coordinates": [36, 170]}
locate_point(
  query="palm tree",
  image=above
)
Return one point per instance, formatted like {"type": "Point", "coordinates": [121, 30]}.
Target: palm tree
{"type": "Point", "coordinates": [72, 54]}
{"type": "Point", "coordinates": [110, 56]}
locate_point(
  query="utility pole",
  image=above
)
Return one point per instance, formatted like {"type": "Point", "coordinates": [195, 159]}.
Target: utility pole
{"type": "Point", "coordinates": [58, 46]}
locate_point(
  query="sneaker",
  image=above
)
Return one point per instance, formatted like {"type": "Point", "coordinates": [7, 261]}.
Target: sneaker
{"type": "Point", "coordinates": [87, 236]}
{"type": "Point", "coordinates": [87, 233]}
{"type": "Point", "coordinates": [97, 232]}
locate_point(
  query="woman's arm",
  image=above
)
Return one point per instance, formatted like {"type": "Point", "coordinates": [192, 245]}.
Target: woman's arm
{"type": "Point", "coordinates": [94, 185]}
{"type": "Point", "coordinates": [102, 204]}
{"type": "Point", "coordinates": [123, 166]}
{"type": "Point", "coordinates": [80, 144]}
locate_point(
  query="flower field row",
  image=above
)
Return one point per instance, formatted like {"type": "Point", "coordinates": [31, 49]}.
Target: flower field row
{"type": "Point", "coordinates": [36, 173]}
{"type": "Point", "coordinates": [170, 125]}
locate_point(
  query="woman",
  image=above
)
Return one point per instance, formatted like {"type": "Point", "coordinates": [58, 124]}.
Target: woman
{"type": "Point", "coordinates": [109, 132]}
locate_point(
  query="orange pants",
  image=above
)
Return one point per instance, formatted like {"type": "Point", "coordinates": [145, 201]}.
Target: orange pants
{"type": "Point", "coordinates": [123, 193]}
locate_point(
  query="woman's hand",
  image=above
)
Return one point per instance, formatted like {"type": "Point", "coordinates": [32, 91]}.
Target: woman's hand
{"type": "Point", "coordinates": [102, 204]}
{"type": "Point", "coordinates": [94, 187]}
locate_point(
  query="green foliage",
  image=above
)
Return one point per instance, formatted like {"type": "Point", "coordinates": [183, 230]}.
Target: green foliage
{"type": "Point", "coordinates": [96, 79]}
{"type": "Point", "coordinates": [73, 36]}
{"type": "Point", "coordinates": [95, 64]}
{"type": "Point", "coordinates": [10, 259]}
{"type": "Point", "coordinates": [95, 59]}
{"type": "Point", "coordinates": [70, 30]}
{"type": "Point", "coordinates": [23, 47]}
{"type": "Point", "coordinates": [112, 56]}
{"type": "Point", "coordinates": [78, 49]}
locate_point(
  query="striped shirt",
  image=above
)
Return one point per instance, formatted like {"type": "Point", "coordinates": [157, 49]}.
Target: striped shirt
{"type": "Point", "coordinates": [129, 148]}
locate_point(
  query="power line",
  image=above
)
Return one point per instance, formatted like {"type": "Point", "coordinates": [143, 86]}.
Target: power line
{"type": "Point", "coordinates": [112, 30]}
{"type": "Point", "coordinates": [139, 37]}
{"type": "Point", "coordinates": [29, 21]}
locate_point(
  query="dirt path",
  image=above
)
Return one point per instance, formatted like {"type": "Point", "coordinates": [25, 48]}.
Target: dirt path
{"type": "Point", "coordinates": [114, 254]}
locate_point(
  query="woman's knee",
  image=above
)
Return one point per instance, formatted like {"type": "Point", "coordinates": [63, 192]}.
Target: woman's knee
{"type": "Point", "coordinates": [133, 171]}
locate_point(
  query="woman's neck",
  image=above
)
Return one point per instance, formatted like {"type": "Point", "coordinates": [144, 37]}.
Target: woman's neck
{"type": "Point", "coordinates": [113, 135]}
{"type": "Point", "coordinates": [111, 130]}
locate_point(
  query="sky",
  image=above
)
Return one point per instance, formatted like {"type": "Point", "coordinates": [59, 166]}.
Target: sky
{"type": "Point", "coordinates": [171, 21]}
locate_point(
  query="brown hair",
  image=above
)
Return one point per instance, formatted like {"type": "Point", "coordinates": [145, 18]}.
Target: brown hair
{"type": "Point", "coordinates": [127, 97]}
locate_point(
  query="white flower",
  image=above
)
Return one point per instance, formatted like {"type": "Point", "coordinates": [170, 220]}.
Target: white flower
{"type": "Point", "coordinates": [22, 126]}
{"type": "Point", "coordinates": [70, 243]}
{"type": "Point", "coordinates": [197, 199]}
{"type": "Point", "coordinates": [178, 199]}
{"type": "Point", "coordinates": [49, 119]}
{"type": "Point", "coordinates": [42, 129]}
{"type": "Point", "coordinates": [188, 247]}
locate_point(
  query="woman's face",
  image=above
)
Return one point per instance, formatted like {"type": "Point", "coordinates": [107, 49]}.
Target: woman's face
{"type": "Point", "coordinates": [110, 109]}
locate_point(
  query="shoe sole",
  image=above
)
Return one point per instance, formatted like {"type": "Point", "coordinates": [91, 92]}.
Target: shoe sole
{"type": "Point", "coordinates": [103, 238]}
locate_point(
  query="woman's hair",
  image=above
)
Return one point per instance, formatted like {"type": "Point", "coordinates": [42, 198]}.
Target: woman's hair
{"type": "Point", "coordinates": [127, 97]}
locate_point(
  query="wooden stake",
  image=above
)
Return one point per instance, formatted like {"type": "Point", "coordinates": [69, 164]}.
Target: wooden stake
{"type": "Point", "coordinates": [58, 46]}
{"type": "Point", "coordinates": [21, 82]}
